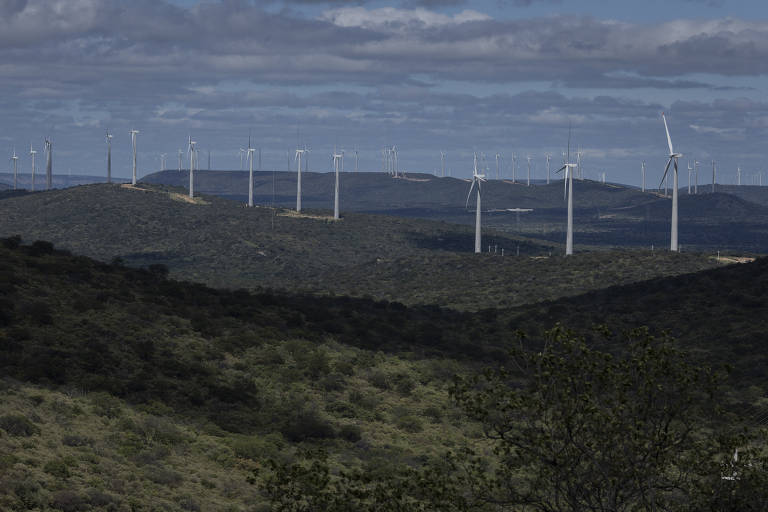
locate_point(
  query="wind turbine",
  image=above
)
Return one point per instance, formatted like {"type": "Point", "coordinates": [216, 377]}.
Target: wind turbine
{"type": "Point", "coordinates": [713, 176]}
{"type": "Point", "coordinates": [357, 161]}
{"type": "Point", "coordinates": [162, 161]}
{"type": "Point", "coordinates": [48, 164]}
{"type": "Point", "coordinates": [578, 165]}
{"type": "Point", "coordinates": [672, 159]}
{"type": "Point", "coordinates": [695, 177]}
{"type": "Point", "coordinates": [133, 142]}
{"type": "Point", "coordinates": [568, 183]}
{"type": "Point", "coordinates": [738, 173]}
{"type": "Point", "coordinates": [109, 157]}
{"type": "Point", "coordinates": [642, 172]}
{"type": "Point", "coordinates": [689, 177]}
{"type": "Point", "coordinates": [181, 159]}
{"type": "Point", "coordinates": [548, 157]}
{"type": "Point", "coordinates": [299, 154]}
{"type": "Point", "coordinates": [15, 160]}
{"type": "Point", "coordinates": [442, 163]}
{"type": "Point", "coordinates": [251, 152]}
{"type": "Point", "coordinates": [192, 159]}
{"type": "Point", "coordinates": [498, 169]}
{"type": "Point", "coordinates": [338, 162]}
{"type": "Point", "coordinates": [514, 167]}
{"type": "Point", "coordinates": [32, 153]}
{"type": "Point", "coordinates": [529, 170]}
{"type": "Point", "coordinates": [476, 180]}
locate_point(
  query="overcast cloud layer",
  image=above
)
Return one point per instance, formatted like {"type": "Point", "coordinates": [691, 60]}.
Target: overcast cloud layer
{"type": "Point", "coordinates": [425, 76]}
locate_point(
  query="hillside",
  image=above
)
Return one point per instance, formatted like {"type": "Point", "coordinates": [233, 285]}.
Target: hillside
{"type": "Point", "coordinates": [132, 390]}
{"type": "Point", "coordinates": [605, 214]}
{"type": "Point", "coordinates": [221, 243]}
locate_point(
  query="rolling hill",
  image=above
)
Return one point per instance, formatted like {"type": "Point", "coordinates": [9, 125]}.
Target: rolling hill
{"type": "Point", "coordinates": [123, 388]}
{"type": "Point", "coordinates": [221, 243]}
{"type": "Point", "coordinates": [605, 214]}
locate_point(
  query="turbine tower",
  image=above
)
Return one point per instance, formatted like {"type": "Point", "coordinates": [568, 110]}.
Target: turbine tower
{"type": "Point", "coordinates": [357, 161]}
{"type": "Point", "coordinates": [689, 177]}
{"type": "Point", "coordinates": [299, 154]}
{"type": "Point", "coordinates": [498, 168]}
{"type": "Point", "coordinates": [568, 183]}
{"type": "Point", "coordinates": [133, 143]}
{"type": "Point", "coordinates": [642, 172]}
{"type": "Point", "coordinates": [338, 163]}
{"type": "Point", "coordinates": [15, 160]}
{"type": "Point", "coordinates": [713, 176]}
{"type": "Point", "coordinates": [548, 157]}
{"type": "Point", "coordinates": [251, 152]}
{"type": "Point", "coordinates": [192, 159]}
{"type": "Point", "coordinates": [32, 153]}
{"type": "Point", "coordinates": [181, 159]}
{"type": "Point", "coordinates": [162, 161]}
{"type": "Point", "coordinates": [738, 173]}
{"type": "Point", "coordinates": [476, 180]}
{"type": "Point", "coordinates": [48, 164]}
{"type": "Point", "coordinates": [672, 159]}
{"type": "Point", "coordinates": [529, 170]}
{"type": "Point", "coordinates": [109, 157]}
{"type": "Point", "coordinates": [442, 164]}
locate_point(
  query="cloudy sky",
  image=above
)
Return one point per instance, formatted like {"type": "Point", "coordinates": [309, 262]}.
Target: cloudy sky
{"type": "Point", "coordinates": [493, 76]}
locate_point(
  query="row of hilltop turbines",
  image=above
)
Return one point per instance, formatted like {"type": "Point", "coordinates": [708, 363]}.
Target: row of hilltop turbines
{"type": "Point", "coordinates": [568, 168]}
{"type": "Point", "coordinates": [390, 165]}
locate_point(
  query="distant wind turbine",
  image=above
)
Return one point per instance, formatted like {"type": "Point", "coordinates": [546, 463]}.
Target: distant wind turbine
{"type": "Point", "coordinates": [15, 160]}
{"type": "Point", "coordinates": [442, 164]}
{"type": "Point", "coordinates": [476, 180]}
{"type": "Point", "coordinates": [713, 176]}
{"type": "Point", "coordinates": [738, 173]}
{"type": "Point", "coordinates": [162, 161]}
{"type": "Point", "coordinates": [689, 176]}
{"type": "Point", "coordinates": [133, 142]}
{"type": "Point", "coordinates": [357, 161]}
{"type": "Point", "coordinates": [299, 154]}
{"type": "Point", "coordinates": [548, 157]}
{"type": "Point", "coordinates": [338, 163]}
{"type": "Point", "coordinates": [498, 167]}
{"type": "Point", "coordinates": [181, 159]}
{"type": "Point", "coordinates": [109, 157]}
{"type": "Point", "coordinates": [48, 164]}
{"type": "Point", "coordinates": [32, 153]}
{"type": "Point", "coordinates": [251, 152]}
{"type": "Point", "coordinates": [672, 160]}
{"type": "Point", "coordinates": [529, 170]}
{"type": "Point", "coordinates": [192, 160]}
{"type": "Point", "coordinates": [568, 182]}
{"type": "Point", "coordinates": [695, 177]}
{"type": "Point", "coordinates": [642, 172]}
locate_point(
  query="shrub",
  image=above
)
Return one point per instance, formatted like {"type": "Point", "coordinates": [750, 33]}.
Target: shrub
{"type": "Point", "coordinates": [68, 501]}
{"type": "Point", "coordinates": [164, 476]}
{"type": "Point", "coordinates": [18, 426]}
{"type": "Point", "coordinates": [379, 380]}
{"type": "Point", "coordinates": [57, 468]}
{"type": "Point", "coordinates": [410, 424]}
{"type": "Point", "coordinates": [350, 432]}
{"type": "Point", "coordinates": [76, 440]}
{"type": "Point", "coordinates": [105, 404]}
{"type": "Point", "coordinates": [307, 424]}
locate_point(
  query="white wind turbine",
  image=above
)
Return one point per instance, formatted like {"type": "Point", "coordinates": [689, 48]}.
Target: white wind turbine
{"type": "Point", "coordinates": [498, 167]}
{"type": "Point", "coordinates": [672, 160]}
{"type": "Point", "coordinates": [109, 157]}
{"type": "Point", "coordinates": [689, 176]}
{"type": "Point", "coordinates": [48, 164]}
{"type": "Point", "coordinates": [357, 161]}
{"type": "Point", "coordinates": [133, 143]}
{"type": "Point", "coordinates": [15, 160]}
{"type": "Point", "coordinates": [548, 157]}
{"type": "Point", "coordinates": [162, 161]}
{"type": "Point", "coordinates": [713, 176]}
{"type": "Point", "coordinates": [242, 153]}
{"type": "Point", "coordinates": [251, 152]}
{"type": "Point", "coordinates": [297, 157]}
{"type": "Point", "coordinates": [181, 159]}
{"type": "Point", "coordinates": [642, 171]}
{"type": "Point", "coordinates": [476, 180]}
{"type": "Point", "coordinates": [568, 191]}
{"type": "Point", "coordinates": [738, 173]}
{"type": "Point", "coordinates": [529, 170]}
{"type": "Point", "coordinates": [338, 163]}
{"type": "Point", "coordinates": [192, 159]}
{"type": "Point", "coordinates": [32, 153]}
{"type": "Point", "coordinates": [442, 164]}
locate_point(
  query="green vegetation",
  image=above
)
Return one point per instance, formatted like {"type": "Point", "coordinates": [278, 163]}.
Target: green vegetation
{"type": "Point", "coordinates": [222, 244]}
{"type": "Point", "coordinates": [124, 389]}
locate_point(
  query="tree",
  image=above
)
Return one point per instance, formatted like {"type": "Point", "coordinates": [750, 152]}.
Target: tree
{"type": "Point", "coordinates": [579, 429]}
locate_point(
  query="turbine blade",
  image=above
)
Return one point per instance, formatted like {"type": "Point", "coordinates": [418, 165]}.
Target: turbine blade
{"type": "Point", "coordinates": [469, 194]}
{"type": "Point", "coordinates": [666, 169]}
{"type": "Point", "coordinates": [669, 139]}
